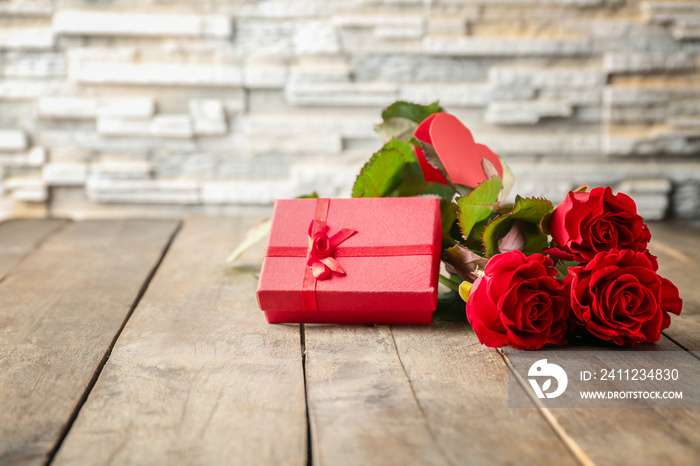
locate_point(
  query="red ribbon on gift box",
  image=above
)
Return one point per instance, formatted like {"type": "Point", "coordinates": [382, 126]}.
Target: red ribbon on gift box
{"type": "Point", "coordinates": [322, 251]}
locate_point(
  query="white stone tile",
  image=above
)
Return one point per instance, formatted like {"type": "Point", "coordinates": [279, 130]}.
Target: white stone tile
{"type": "Point", "coordinates": [328, 179]}
{"type": "Point", "coordinates": [36, 156]}
{"type": "Point", "coordinates": [687, 32]}
{"type": "Point", "coordinates": [121, 24]}
{"type": "Point", "coordinates": [321, 70]}
{"type": "Point", "coordinates": [116, 126]}
{"type": "Point", "coordinates": [496, 46]}
{"type": "Point", "coordinates": [645, 62]}
{"type": "Point", "coordinates": [526, 112]}
{"type": "Point", "coordinates": [377, 20]}
{"type": "Point", "coordinates": [33, 65]}
{"type": "Point", "coordinates": [303, 144]}
{"type": "Point", "coordinates": [518, 143]}
{"type": "Point", "coordinates": [360, 41]}
{"type": "Point", "coordinates": [67, 107]}
{"type": "Point", "coordinates": [20, 182]}
{"type": "Point", "coordinates": [26, 38]}
{"type": "Point", "coordinates": [457, 94]}
{"type": "Point", "coordinates": [13, 140]}
{"type": "Point", "coordinates": [264, 75]}
{"type": "Point", "coordinates": [31, 194]}
{"type": "Point", "coordinates": [450, 25]}
{"type": "Point", "coordinates": [32, 8]}
{"type": "Point", "coordinates": [65, 173]}
{"type": "Point", "coordinates": [399, 32]}
{"type": "Point", "coordinates": [112, 54]}
{"type": "Point", "coordinates": [341, 94]}
{"type": "Point", "coordinates": [143, 191]}
{"type": "Point", "coordinates": [315, 37]}
{"type": "Point", "coordinates": [547, 77]}
{"type": "Point", "coordinates": [576, 95]}
{"type": "Point", "coordinates": [167, 74]}
{"type": "Point", "coordinates": [172, 126]}
{"type": "Point", "coordinates": [162, 126]}
{"type": "Point", "coordinates": [265, 37]}
{"type": "Point", "coordinates": [24, 89]}
{"type": "Point", "coordinates": [651, 144]}
{"type": "Point", "coordinates": [284, 9]}
{"type": "Point", "coordinates": [116, 169]}
{"type": "Point", "coordinates": [126, 107]}
{"type": "Point", "coordinates": [348, 126]}
{"type": "Point", "coordinates": [208, 117]}
{"type": "Point", "coordinates": [247, 191]}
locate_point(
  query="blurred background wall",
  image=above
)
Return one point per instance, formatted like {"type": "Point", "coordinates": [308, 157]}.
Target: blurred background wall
{"type": "Point", "coordinates": [163, 107]}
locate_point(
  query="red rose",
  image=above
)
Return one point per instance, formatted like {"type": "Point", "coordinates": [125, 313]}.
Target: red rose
{"type": "Point", "coordinates": [585, 224]}
{"type": "Point", "coordinates": [518, 302]}
{"type": "Point", "coordinates": [619, 296]}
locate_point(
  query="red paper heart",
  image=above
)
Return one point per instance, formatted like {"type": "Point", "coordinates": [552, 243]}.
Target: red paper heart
{"type": "Point", "coordinates": [455, 146]}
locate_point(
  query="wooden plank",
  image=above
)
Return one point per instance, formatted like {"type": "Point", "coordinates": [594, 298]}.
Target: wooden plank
{"type": "Point", "coordinates": [638, 436]}
{"type": "Point", "coordinates": [677, 247]}
{"type": "Point", "coordinates": [681, 236]}
{"type": "Point", "coordinates": [60, 310]}
{"type": "Point", "coordinates": [197, 376]}
{"type": "Point", "coordinates": [462, 388]}
{"type": "Point", "coordinates": [433, 395]}
{"type": "Point", "coordinates": [361, 407]}
{"type": "Point", "coordinates": [20, 237]}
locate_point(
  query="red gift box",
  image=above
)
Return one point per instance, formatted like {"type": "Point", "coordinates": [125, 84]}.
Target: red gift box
{"type": "Point", "coordinates": [360, 261]}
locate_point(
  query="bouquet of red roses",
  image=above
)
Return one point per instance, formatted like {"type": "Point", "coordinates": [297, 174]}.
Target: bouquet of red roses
{"type": "Point", "coordinates": [595, 276]}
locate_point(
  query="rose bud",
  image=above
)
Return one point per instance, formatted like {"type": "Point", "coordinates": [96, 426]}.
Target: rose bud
{"type": "Point", "coordinates": [518, 302]}
{"type": "Point", "coordinates": [618, 296]}
{"type": "Point", "coordinates": [585, 224]}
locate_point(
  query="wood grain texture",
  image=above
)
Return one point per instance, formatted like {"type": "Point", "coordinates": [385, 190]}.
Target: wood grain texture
{"type": "Point", "coordinates": [60, 310]}
{"type": "Point", "coordinates": [677, 247]}
{"type": "Point", "coordinates": [630, 436]}
{"type": "Point", "coordinates": [431, 395]}
{"type": "Point", "coordinates": [361, 405]}
{"type": "Point", "coordinates": [197, 376]}
{"type": "Point", "coordinates": [462, 389]}
{"type": "Point", "coordinates": [20, 237]}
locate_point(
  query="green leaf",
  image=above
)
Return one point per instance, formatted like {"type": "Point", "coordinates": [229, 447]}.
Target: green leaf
{"type": "Point", "coordinates": [526, 216]}
{"type": "Point", "coordinates": [448, 210]}
{"type": "Point", "coordinates": [437, 189]}
{"type": "Point", "coordinates": [398, 127]}
{"type": "Point", "coordinates": [313, 195]}
{"type": "Point", "coordinates": [410, 111]}
{"type": "Point", "coordinates": [478, 205]}
{"type": "Point", "coordinates": [395, 171]}
{"type": "Point", "coordinates": [385, 171]}
{"type": "Point", "coordinates": [254, 235]}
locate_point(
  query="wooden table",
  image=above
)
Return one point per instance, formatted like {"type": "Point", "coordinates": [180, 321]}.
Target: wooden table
{"type": "Point", "coordinates": [133, 342]}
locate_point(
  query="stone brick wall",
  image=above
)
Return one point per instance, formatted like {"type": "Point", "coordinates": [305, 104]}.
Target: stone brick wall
{"type": "Point", "coordinates": [162, 107]}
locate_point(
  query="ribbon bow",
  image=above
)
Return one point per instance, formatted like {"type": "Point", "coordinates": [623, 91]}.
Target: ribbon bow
{"type": "Point", "coordinates": [319, 257]}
